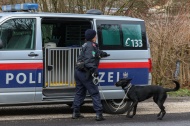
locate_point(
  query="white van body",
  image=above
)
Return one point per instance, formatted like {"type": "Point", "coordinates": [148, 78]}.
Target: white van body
{"type": "Point", "coordinates": [39, 51]}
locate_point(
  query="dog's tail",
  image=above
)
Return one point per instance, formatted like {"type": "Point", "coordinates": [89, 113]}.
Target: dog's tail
{"type": "Point", "coordinates": [175, 89]}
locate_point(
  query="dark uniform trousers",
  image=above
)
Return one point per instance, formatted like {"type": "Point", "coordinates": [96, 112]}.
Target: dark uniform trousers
{"type": "Point", "coordinates": [82, 85]}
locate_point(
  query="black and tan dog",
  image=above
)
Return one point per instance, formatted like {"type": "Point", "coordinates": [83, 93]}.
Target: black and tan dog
{"type": "Point", "coordinates": [140, 93]}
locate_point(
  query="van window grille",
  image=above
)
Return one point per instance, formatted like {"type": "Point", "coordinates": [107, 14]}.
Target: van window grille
{"type": "Point", "coordinates": [75, 35]}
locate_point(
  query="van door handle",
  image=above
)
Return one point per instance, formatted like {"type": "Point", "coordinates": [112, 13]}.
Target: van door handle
{"type": "Point", "coordinates": [32, 54]}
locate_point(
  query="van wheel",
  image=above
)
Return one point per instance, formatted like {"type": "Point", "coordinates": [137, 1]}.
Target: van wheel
{"type": "Point", "coordinates": [111, 106]}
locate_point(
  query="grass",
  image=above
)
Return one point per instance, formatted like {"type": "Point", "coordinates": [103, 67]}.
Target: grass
{"type": "Point", "coordinates": [180, 93]}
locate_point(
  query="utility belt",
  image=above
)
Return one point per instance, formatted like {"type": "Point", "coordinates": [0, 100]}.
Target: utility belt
{"type": "Point", "coordinates": [80, 66]}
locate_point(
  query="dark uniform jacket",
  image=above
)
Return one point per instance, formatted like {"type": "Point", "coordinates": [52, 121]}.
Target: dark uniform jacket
{"type": "Point", "coordinates": [90, 55]}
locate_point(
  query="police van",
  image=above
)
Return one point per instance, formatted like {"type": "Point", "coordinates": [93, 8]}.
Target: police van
{"type": "Point", "coordinates": [38, 52]}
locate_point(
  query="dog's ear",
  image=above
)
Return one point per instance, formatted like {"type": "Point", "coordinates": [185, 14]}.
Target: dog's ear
{"type": "Point", "coordinates": [122, 80]}
{"type": "Point", "coordinates": [129, 80]}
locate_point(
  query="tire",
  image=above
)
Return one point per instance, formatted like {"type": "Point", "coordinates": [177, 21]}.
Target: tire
{"type": "Point", "coordinates": [113, 106]}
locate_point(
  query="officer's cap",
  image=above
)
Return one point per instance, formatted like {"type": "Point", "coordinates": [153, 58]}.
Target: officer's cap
{"type": "Point", "coordinates": [90, 34]}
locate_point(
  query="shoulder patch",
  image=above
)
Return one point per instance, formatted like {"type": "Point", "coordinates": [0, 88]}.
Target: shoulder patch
{"type": "Point", "coordinates": [93, 44]}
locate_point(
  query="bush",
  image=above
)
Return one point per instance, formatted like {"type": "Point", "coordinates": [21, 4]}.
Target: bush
{"type": "Point", "coordinates": [169, 38]}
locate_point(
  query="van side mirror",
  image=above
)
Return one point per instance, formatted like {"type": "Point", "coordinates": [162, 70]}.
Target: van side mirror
{"type": "Point", "coordinates": [1, 44]}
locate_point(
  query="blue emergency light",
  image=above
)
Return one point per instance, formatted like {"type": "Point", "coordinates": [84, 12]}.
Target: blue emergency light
{"type": "Point", "coordinates": [20, 7]}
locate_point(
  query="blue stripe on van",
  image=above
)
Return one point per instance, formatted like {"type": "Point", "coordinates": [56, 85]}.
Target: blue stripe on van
{"type": "Point", "coordinates": [109, 76]}
{"type": "Point", "coordinates": [33, 78]}
{"type": "Point", "coordinates": [21, 78]}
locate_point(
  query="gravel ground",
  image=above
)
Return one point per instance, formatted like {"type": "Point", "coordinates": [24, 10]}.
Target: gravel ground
{"type": "Point", "coordinates": [172, 105]}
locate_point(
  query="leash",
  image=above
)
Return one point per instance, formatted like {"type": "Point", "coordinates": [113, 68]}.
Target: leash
{"type": "Point", "coordinates": [128, 88]}
{"type": "Point", "coordinates": [96, 82]}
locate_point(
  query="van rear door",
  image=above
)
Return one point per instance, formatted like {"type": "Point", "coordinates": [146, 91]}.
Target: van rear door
{"type": "Point", "coordinates": [20, 61]}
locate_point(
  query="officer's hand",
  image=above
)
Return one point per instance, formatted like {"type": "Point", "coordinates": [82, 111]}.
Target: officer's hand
{"type": "Point", "coordinates": [104, 54]}
{"type": "Point", "coordinates": [96, 74]}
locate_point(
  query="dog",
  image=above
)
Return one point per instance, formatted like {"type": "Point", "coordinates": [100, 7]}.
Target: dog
{"type": "Point", "coordinates": [137, 94]}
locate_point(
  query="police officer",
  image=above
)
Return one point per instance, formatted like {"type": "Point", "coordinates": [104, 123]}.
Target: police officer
{"type": "Point", "coordinates": [86, 66]}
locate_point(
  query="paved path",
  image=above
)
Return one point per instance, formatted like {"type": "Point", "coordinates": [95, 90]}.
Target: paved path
{"type": "Point", "coordinates": [172, 105]}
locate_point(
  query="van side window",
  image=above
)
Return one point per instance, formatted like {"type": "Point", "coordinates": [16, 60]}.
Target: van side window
{"type": "Point", "coordinates": [132, 36]}
{"type": "Point", "coordinates": [18, 34]}
{"type": "Point", "coordinates": [110, 34]}
{"type": "Point", "coordinates": [121, 35]}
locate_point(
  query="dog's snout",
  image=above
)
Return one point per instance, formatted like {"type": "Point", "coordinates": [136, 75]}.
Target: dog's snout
{"type": "Point", "coordinates": [115, 84]}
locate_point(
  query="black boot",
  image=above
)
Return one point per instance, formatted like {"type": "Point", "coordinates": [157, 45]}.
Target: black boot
{"type": "Point", "coordinates": [77, 115]}
{"type": "Point", "coordinates": [99, 117]}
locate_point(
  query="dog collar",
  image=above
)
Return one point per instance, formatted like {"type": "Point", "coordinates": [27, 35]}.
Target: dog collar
{"type": "Point", "coordinates": [128, 88]}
